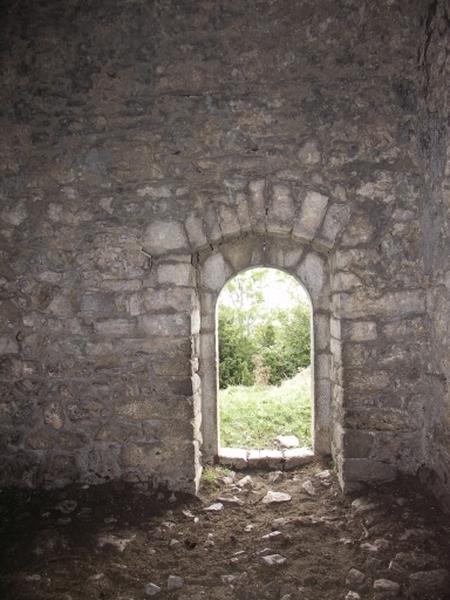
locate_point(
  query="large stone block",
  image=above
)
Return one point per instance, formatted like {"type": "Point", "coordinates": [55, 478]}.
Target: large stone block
{"type": "Point", "coordinates": [180, 274]}
{"type": "Point", "coordinates": [311, 216]}
{"type": "Point", "coordinates": [161, 324]}
{"type": "Point", "coordinates": [215, 272]}
{"type": "Point", "coordinates": [161, 237]}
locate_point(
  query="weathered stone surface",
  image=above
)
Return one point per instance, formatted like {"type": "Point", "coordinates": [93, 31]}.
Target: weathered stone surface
{"type": "Point", "coordinates": [161, 237]}
{"type": "Point", "coordinates": [133, 203]}
{"type": "Point", "coordinates": [311, 216]}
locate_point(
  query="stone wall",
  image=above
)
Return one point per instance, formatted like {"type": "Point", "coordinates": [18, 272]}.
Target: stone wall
{"type": "Point", "coordinates": [435, 214]}
{"type": "Point", "coordinates": [144, 141]}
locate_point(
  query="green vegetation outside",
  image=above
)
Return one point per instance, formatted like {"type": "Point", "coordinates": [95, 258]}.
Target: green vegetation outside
{"type": "Point", "coordinates": [253, 416]}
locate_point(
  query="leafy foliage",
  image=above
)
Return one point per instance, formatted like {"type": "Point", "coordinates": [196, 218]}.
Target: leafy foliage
{"type": "Point", "coordinates": [258, 344]}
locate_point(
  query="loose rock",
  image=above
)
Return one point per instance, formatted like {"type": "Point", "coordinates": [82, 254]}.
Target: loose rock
{"type": "Point", "coordinates": [388, 587]}
{"type": "Point", "coordinates": [288, 441]}
{"type": "Point", "coordinates": [309, 488]}
{"type": "Point", "coordinates": [273, 560]}
{"type": "Point", "coordinates": [354, 578]}
{"type": "Point", "coordinates": [217, 506]}
{"type": "Point", "coordinates": [151, 589]}
{"type": "Point", "coordinates": [276, 497]}
{"type": "Point", "coordinates": [174, 582]}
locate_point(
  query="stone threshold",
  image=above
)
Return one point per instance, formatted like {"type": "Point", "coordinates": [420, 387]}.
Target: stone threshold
{"type": "Point", "coordinates": [240, 459]}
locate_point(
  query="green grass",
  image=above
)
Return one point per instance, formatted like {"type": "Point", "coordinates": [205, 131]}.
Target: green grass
{"type": "Point", "coordinates": [251, 417]}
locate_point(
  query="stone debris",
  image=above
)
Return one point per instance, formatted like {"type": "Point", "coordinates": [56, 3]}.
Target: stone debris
{"type": "Point", "coordinates": [232, 501]}
{"type": "Point", "coordinates": [246, 482]}
{"type": "Point", "coordinates": [355, 578]}
{"type": "Point", "coordinates": [288, 441]}
{"type": "Point", "coordinates": [175, 544]}
{"type": "Point", "coordinates": [215, 507]}
{"type": "Point", "coordinates": [229, 579]}
{"type": "Point", "coordinates": [119, 543]}
{"type": "Point", "coordinates": [309, 488]}
{"type": "Point", "coordinates": [174, 582]}
{"type": "Point", "coordinates": [249, 527]}
{"type": "Point", "coordinates": [369, 547]}
{"type": "Point", "coordinates": [275, 476]}
{"type": "Point", "coordinates": [151, 589]}
{"type": "Point", "coordinates": [276, 497]}
{"type": "Point", "coordinates": [323, 474]}
{"type": "Point", "coordinates": [388, 587]}
{"type": "Point", "coordinates": [273, 560]}
{"type": "Point", "coordinates": [66, 506]}
{"type": "Point", "coordinates": [436, 581]}
{"type": "Point", "coordinates": [352, 596]}
{"type": "Point", "coordinates": [273, 535]}
{"type": "Point", "coordinates": [361, 505]}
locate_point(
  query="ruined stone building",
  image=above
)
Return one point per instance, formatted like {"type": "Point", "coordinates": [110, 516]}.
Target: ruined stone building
{"type": "Point", "coordinates": [151, 149]}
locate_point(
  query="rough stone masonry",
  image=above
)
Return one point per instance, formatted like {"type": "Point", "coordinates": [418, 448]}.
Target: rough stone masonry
{"type": "Point", "coordinates": [152, 149]}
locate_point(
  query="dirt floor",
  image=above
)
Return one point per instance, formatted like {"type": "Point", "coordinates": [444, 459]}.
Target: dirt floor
{"type": "Point", "coordinates": [114, 542]}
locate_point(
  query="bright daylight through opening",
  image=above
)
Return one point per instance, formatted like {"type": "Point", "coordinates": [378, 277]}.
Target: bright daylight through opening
{"type": "Point", "coordinates": [264, 367]}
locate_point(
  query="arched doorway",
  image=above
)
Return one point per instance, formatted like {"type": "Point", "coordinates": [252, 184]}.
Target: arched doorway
{"type": "Point", "coordinates": [214, 268]}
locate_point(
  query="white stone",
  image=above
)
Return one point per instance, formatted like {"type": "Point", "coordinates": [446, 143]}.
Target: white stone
{"type": "Point", "coordinates": [311, 216]}
{"type": "Point", "coordinates": [215, 507]}
{"type": "Point", "coordinates": [151, 589]}
{"type": "Point", "coordinates": [309, 488]}
{"type": "Point", "coordinates": [181, 274]}
{"type": "Point", "coordinates": [274, 560]}
{"type": "Point", "coordinates": [195, 231]}
{"type": "Point", "coordinates": [174, 582]}
{"type": "Point", "coordinates": [386, 586]}
{"type": "Point", "coordinates": [312, 273]}
{"type": "Point", "coordinates": [288, 441]}
{"type": "Point", "coordinates": [112, 540]}
{"type": "Point", "coordinates": [164, 236]}
{"type": "Point", "coordinates": [352, 596]}
{"type": "Point", "coordinates": [355, 577]}
{"type": "Point", "coordinates": [165, 325]}
{"type": "Point", "coordinates": [276, 497]}
{"type": "Point", "coordinates": [215, 272]}
{"type": "Point", "coordinates": [336, 219]}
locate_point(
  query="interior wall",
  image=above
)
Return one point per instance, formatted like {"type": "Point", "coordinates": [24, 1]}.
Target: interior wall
{"type": "Point", "coordinates": [433, 147]}
{"type": "Point", "coordinates": [136, 134]}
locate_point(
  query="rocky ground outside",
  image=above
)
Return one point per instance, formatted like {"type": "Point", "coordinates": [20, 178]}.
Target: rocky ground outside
{"type": "Point", "coordinates": [262, 535]}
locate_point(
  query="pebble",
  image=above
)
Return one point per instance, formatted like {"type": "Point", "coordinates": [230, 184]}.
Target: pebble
{"type": "Point", "coordinates": [246, 481]}
{"type": "Point", "coordinates": [111, 540]}
{"type": "Point", "coordinates": [309, 488]}
{"type": "Point", "coordinates": [274, 560]}
{"type": "Point", "coordinates": [276, 497]}
{"type": "Point", "coordinates": [233, 501]}
{"type": "Point", "coordinates": [67, 506]}
{"type": "Point", "coordinates": [151, 589]}
{"type": "Point", "coordinates": [215, 507]}
{"type": "Point", "coordinates": [387, 586]}
{"type": "Point", "coordinates": [273, 535]}
{"type": "Point", "coordinates": [275, 476]}
{"type": "Point", "coordinates": [352, 596]}
{"type": "Point", "coordinates": [174, 582]}
{"type": "Point", "coordinates": [363, 505]}
{"type": "Point", "coordinates": [288, 441]}
{"type": "Point", "coordinates": [229, 579]}
{"type": "Point", "coordinates": [324, 474]}
{"type": "Point", "coordinates": [354, 577]}
{"type": "Point", "coordinates": [174, 544]}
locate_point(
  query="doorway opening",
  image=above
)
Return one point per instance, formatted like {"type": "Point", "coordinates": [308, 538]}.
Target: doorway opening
{"type": "Point", "coordinates": [265, 395]}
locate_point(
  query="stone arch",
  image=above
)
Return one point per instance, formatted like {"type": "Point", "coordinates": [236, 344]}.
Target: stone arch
{"type": "Point", "coordinates": [215, 266]}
